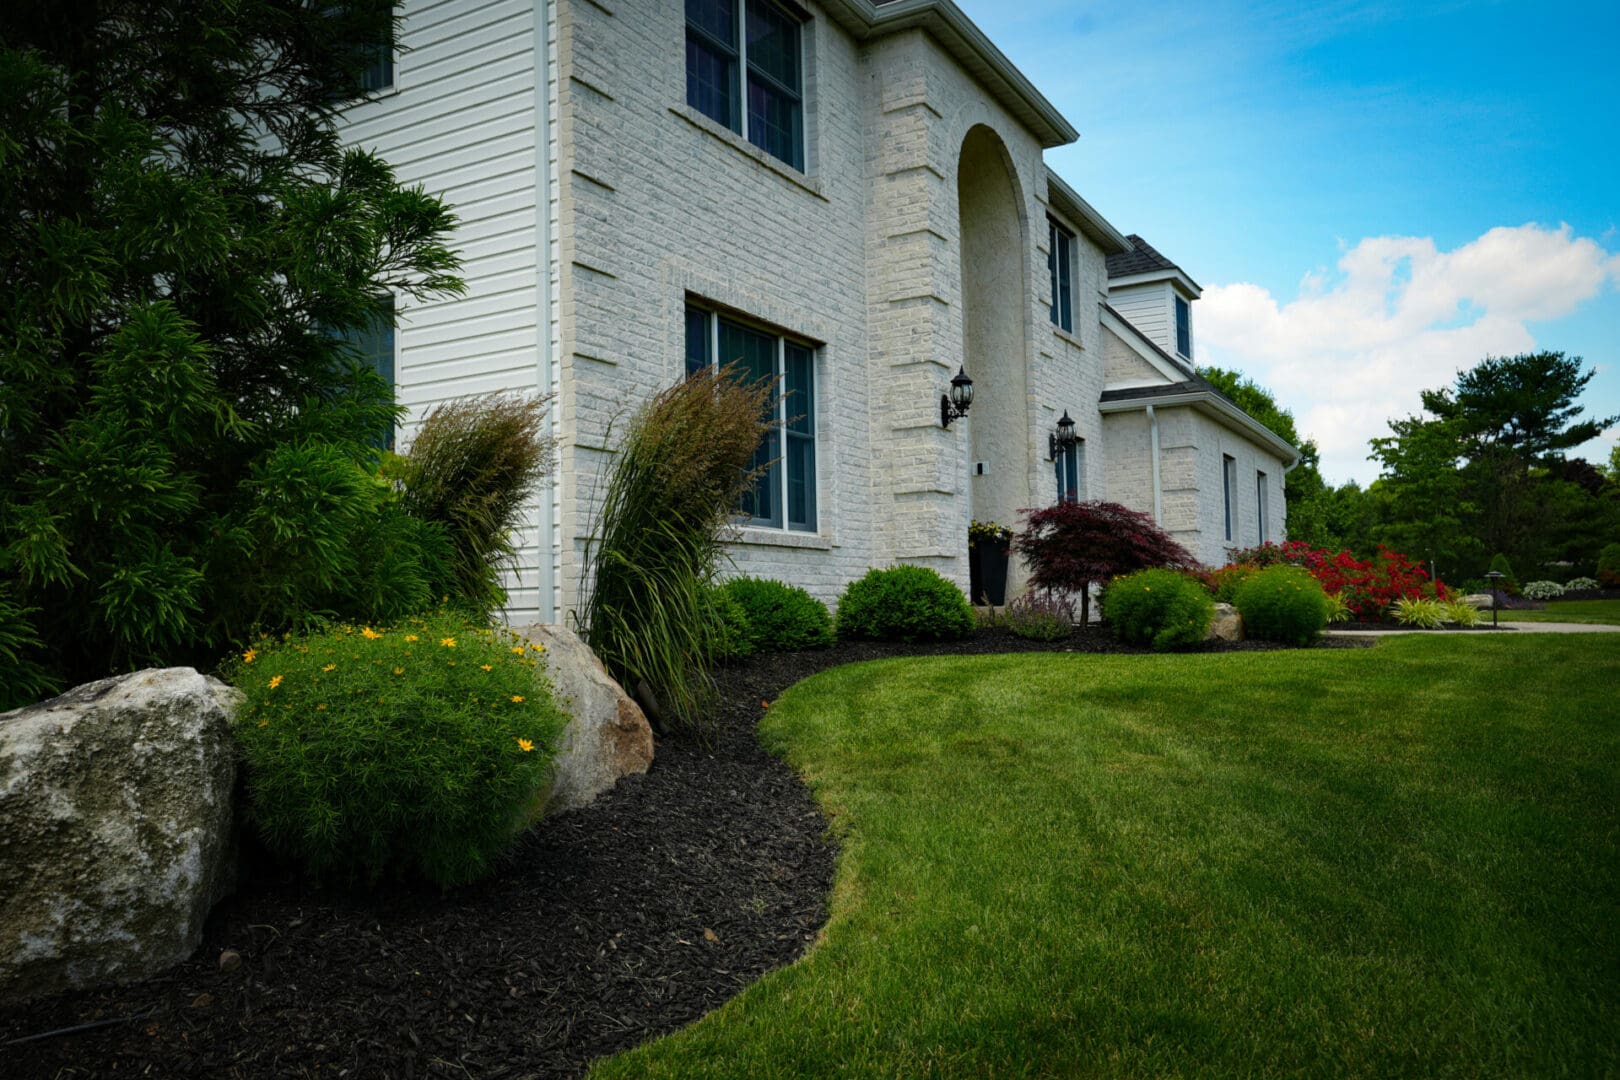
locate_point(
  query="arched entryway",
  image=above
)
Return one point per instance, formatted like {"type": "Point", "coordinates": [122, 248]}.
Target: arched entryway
{"type": "Point", "coordinates": [994, 326]}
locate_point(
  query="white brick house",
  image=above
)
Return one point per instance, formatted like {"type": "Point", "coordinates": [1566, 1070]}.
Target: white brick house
{"type": "Point", "coordinates": [852, 195]}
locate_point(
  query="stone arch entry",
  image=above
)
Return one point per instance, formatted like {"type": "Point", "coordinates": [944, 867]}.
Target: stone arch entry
{"type": "Point", "coordinates": [994, 316]}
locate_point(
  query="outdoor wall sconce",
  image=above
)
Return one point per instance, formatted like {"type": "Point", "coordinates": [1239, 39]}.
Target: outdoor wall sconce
{"type": "Point", "coordinates": [1495, 578]}
{"type": "Point", "coordinates": [954, 406]}
{"type": "Point", "coordinates": [1063, 438]}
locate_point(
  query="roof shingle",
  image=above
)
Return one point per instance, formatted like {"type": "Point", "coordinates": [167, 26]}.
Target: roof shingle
{"type": "Point", "coordinates": [1144, 258]}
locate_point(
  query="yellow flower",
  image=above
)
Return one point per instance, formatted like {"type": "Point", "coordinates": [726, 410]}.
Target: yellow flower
{"type": "Point", "coordinates": [410, 637]}
{"type": "Point", "coordinates": [329, 667]}
{"type": "Point", "coordinates": [448, 642]}
{"type": "Point", "coordinates": [487, 667]}
{"type": "Point", "coordinates": [399, 671]}
{"type": "Point", "coordinates": [517, 698]}
{"type": "Point", "coordinates": [518, 649]}
{"type": "Point", "coordinates": [264, 723]}
{"type": "Point", "coordinates": [525, 745]}
{"type": "Point", "coordinates": [320, 708]}
{"type": "Point", "coordinates": [536, 646]}
{"type": "Point", "coordinates": [369, 634]}
{"type": "Point", "coordinates": [249, 656]}
{"type": "Point", "coordinates": [275, 681]}
{"type": "Point", "coordinates": [1147, 588]}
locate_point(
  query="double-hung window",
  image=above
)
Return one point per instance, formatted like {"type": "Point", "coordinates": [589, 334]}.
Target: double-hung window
{"type": "Point", "coordinates": [1070, 466]}
{"type": "Point", "coordinates": [1229, 494]}
{"type": "Point", "coordinates": [1261, 503]}
{"type": "Point", "coordinates": [784, 494]}
{"type": "Point", "coordinates": [1059, 265]}
{"type": "Point", "coordinates": [1183, 328]}
{"type": "Point", "coordinates": [745, 70]}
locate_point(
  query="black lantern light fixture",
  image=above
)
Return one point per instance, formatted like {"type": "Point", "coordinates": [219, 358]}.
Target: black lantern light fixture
{"type": "Point", "coordinates": [1063, 438]}
{"type": "Point", "coordinates": [954, 406]}
{"type": "Point", "coordinates": [1495, 578]}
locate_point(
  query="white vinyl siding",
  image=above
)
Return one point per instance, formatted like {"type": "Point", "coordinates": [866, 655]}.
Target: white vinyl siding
{"type": "Point", "coordinates": [1148, 308]}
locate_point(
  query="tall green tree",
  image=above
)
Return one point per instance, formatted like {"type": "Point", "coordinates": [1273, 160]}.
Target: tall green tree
{"type": "Point", "coordinates": [187, 445]}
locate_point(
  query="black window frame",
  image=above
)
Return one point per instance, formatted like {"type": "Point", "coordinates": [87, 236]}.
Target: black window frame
{"type": "Point", "coordinates": [743, 73]}
{"type": "Point", "coordinates": [1183, 327]}
{"type": "Point", "coordinates": [1069, 466]}
{"type": "Point", "coordinates": [1229, 494]}
{"type": "Point", "coordinates": [1060, 270]}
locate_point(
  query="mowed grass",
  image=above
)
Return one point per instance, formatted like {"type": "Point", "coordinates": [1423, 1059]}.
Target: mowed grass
{"type": "Point", "coordinates": [1572, 611]}
{"type": "Point", "coordinates": [1395, 861]}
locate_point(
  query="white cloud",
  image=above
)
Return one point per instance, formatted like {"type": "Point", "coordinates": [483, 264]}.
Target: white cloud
{"type": "Point", "coordinates": [1399, 316]}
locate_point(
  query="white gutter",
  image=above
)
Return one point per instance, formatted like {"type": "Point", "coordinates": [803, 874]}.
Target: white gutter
{"type": "Point", "coordinates": [1215, 403]}
{"type": "Point", "coordinates": [546, 543]}
{"type": "Point", "coordinates": [1153, 440]}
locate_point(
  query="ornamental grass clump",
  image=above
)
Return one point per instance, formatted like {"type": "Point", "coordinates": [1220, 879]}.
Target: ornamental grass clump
{"type": "Point", "coordinates": [904, 603]}
{"type": "Point", "coordinates": [1460, 612]}
{"type": "Point", "coordinates": [422, 748]}
{"type": "Point", "coordinates": [1423, 612]}
{"type": "Point", "coordinates": [1040, 616]}
{"type": "Point", "coordinates": [675, 483]}
{"type": "Point", "coordinates": [782, 617]}
{"type": "Point", "coordinates": [1162, 608]}
{"type": "Point", "coordinates": [1283, 603]}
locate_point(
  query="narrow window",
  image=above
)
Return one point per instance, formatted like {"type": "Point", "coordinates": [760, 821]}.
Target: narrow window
{"type": "Point", "coordinates": [1059, 260]}
{"type": "Point", "coordinates": [373, 345]}
{"type": "Point", "coordinates": [784, 493]}
{"type": "Point", "coordinates": [377, 59]}
{"type": "Point", "coordinates": [1260, 504]}
{"type": "Point", "coordinates": [1070, 466]}
{"type": "Point", "coordinates": [1229, 493]}
{"type": "Point", "coordinates": [745, 69]}
{"type": "Point", "coordinates": [1183, 328]}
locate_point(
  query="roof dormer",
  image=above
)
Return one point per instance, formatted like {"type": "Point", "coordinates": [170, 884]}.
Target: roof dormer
{"type": "Point", "coordinates": [1155, 295]}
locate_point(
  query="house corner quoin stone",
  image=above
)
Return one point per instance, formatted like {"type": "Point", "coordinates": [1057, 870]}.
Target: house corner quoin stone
{"type": "Point", "coordinates": [607, 736]}
{"type": "Point", "coordinates": [115, 829]}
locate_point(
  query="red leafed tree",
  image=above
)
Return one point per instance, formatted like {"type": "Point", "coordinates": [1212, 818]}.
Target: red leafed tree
{"type": "Point", "coordinates": [1071, 546]}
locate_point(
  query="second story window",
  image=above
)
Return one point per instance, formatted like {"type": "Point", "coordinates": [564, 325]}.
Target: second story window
{"type": "Point", "coordinates": [1060, 263]}
{"type": "Point", "coordinates": [1183, 328]}
{"type": "Point", "coordinates": [745, 69]}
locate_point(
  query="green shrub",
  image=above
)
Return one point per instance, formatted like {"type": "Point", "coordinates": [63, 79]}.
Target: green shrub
{"type": "Point", "coordinates": [1461, 613]}
{"type": "Point", "coordinates": [1420, 611]}
{"type": "Point", "coordinates": [1041, 616]}
{"type": "Point", "coordinates": [1283, 603]}
{"type": "Point", "coordinates": [1608, 567]}
{"type": "Point", "coordinates": [903, 603]}
{"type": "Point", "coordinates": [1510, 580]}
{"type": "Point", "coordinates": [1338, 608]}
{"type": "Point", "coordinates": [676, 481]}
{"type": "Point", "coordinates": [422, 748]}
{"type": "Point", "coordinates": [1224, 582]}
{"type": "Point", "coordinates": [471, 468]}
{"type": "Point", "coordinates": [734, 639]}
{"type": "Point", "coordinates": [782, 617]}
{"type": "Point", "coordinates": [1161, 608]}
{"type": "Point", "coordinates": [1580, 584]}
{"type": "Point", "coordinates": [1542, 590]}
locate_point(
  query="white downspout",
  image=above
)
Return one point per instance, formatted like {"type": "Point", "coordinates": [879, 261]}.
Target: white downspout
{"type": "Point", "coordinates": [546, 376]}
{"type": "Point", "coordinates": [1153, 440]}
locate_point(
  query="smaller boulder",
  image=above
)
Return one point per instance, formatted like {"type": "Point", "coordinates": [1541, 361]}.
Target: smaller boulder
{"type": "Point", "coordinates": [607, 734]}
{"type": "Point", "coordinates": [1227, 625]}
{"type": "Point", "coordinates": [1481, 600]}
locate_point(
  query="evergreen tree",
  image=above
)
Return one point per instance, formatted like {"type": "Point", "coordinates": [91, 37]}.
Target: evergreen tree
{"type": "Point", "coordinates": [187, 445]}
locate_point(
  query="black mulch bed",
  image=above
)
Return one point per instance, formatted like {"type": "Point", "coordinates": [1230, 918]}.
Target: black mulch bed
{"type": "Point", "coordinates": [610, 925]}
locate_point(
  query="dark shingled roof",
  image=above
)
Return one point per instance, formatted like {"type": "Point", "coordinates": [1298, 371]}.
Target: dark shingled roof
{"type": "Point", "coordinates": [1144, 258]}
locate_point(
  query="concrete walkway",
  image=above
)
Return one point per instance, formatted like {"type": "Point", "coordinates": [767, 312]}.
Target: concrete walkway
{"type": "Point", "coordinates": [1527, 627]}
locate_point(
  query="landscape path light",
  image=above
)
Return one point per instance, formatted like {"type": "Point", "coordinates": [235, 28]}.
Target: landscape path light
{"type": "Point", "coordinates": [1495, 578]}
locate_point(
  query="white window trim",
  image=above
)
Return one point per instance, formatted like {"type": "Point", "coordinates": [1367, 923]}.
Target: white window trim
{"type": "Point", "coordinates": [739, 10]}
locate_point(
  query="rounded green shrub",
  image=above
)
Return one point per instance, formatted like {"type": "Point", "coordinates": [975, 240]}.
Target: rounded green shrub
{"type": "Point", "coordinates": [422, 748]}
{"type": "Point", "coordinates": [903, 603]}
{"type": "Point", "coordinates": [1283, 603]}
{"type": "Point", "coordinates": [1510, 580]}
{"type": "Point", "coordinates": [733, 631]}
{"type": "Point", "coordinates": [781, 617]}
{"type": "Point", "coordinates": [1225, 582]}
{"type": "Point", "coordinates": [1161, 608]}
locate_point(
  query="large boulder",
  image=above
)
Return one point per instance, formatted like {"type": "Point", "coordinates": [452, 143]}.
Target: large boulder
{"type": "Point", "coordinates": [1227, 625]}
{"type": "Point", "coordinates": [607, 735]}
{"type": "Point", "coordinates": [115, 829]}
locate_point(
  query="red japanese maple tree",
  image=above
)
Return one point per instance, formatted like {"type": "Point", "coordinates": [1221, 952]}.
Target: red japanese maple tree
{"type": "Point", "coordinates": [1072, 546]}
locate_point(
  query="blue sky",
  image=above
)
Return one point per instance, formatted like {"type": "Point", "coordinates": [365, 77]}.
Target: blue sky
{"type": "Point", "coordinates": [1373, 195]}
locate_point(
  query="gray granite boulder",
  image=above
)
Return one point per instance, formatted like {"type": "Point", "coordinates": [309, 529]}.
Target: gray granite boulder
{"type": "Point", "coordinates": [1227, 624]}
{"type": "Point", "coordinates": [607, 735]}
{"type": "Point", "coordinates": [115, 829]}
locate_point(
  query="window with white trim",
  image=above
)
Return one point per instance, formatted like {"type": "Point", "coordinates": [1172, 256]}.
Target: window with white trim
{"type": "Point", "coordinates": [1229, 493]}
{"type": "Point", "coordinates": [1071, 472]}
{"type": "Point", "coordinates": [784, 496]}
{"type": "Point", "coordinates": [1261, 503]}
{"type": "Point", "coordinates": [745, 70]}
{"type": "Point", "coordinates": [1060, 268]}
{"type": "Point", "coordinates": [1183, 327]}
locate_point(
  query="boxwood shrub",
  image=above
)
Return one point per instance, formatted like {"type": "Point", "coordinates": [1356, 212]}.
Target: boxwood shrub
{"type": "Point", "coordinates": [419, 749]}
{"type": "Point", "coordinates": [1283, 603]}
{"type": "Point", "coordinates": [1162, 608]}
{"type": "Point", "coordinates": [903, 603]}
{"type": "Point", "coordinates": [781, 617]}
{"type": "Point", "coordinates": [734, 631]}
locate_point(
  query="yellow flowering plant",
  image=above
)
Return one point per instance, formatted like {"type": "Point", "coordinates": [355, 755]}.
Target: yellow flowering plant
{"type": "Point", "coordinates": [372, 753]}
{"type": "Point", "coordinates": [1162, 608]}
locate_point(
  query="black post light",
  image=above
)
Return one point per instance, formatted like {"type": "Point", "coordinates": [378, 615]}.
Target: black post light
{"type": "Point", "coordinates": [954, 406]}
{"type": "Point", "coordinates": [1495, 578]}
{"type": "Point", "coordinates": [1063, 437]}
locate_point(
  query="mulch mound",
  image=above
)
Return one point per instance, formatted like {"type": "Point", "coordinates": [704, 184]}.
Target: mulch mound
{"type": "Point", "coordinates": [608, 926]}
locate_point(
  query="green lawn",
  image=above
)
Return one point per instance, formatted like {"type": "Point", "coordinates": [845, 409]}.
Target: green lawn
{"type": "Point", "coordinates": [1575, 611]}
{"type": "Point", "coordinates": [1400, 860]}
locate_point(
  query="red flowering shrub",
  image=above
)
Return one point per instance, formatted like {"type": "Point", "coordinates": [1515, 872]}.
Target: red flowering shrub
{"type": "Point", "coordinates": [1368, 586]}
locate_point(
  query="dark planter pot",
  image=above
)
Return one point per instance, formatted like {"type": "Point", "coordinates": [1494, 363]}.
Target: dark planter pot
{"type": "Point", "coordinates": [987, 573]}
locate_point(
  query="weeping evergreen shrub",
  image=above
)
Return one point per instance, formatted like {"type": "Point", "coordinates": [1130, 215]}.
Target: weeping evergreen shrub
{"type": "Point", "coordinates": [674, 485]}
